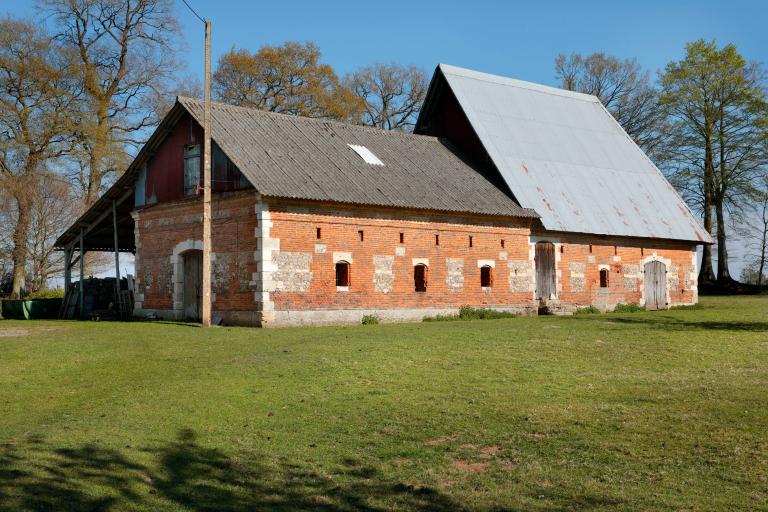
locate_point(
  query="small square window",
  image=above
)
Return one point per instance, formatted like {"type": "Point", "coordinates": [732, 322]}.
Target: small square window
{"type": "Point", "coordinates": [502, 244]}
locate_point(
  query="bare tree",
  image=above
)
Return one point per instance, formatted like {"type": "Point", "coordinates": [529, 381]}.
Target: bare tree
{"type": "Point", "coordinates": [125, 50]}
{"type": "Point", "coordinates": [752, 226]}
{"type": "Point", "coordinates": [289, 79]}
{"type": "Point", "coordinates": [52, 209]}
{"type": "Point", "coordinates": [37, 98]}
{"type": "Point", "coordinates": [393, 94]}
{"type": "Point", "coordinates": [623, 88]}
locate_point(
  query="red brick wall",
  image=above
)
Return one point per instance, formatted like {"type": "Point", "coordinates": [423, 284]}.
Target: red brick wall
{"type": "Point", "coordinates": [292, 226]}
{"type": "Point", "coordinates": [162, 227]}
{"type": "Point", "coordinates": [296, 227]}
{"type": "Point", "coordinates": [624, 258]}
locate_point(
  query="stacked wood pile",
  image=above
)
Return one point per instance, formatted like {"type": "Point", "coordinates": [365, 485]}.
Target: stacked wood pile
{"type": "Point", "coordinates": [99, 300]}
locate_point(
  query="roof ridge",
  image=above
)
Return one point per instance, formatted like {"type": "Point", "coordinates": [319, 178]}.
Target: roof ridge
{"type": "Point", "coordinates": [317, 120]}
{"type": "Point", "coordinates": [515, 82]}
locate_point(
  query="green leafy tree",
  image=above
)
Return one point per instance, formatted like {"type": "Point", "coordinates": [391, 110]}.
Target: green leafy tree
{"type": "Point", "coordinates": [717, 105]}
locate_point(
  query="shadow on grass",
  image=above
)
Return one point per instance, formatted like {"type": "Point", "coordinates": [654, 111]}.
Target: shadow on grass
{"type": "Point", "coordinates": [184, 475]}
{"type": "Point", "coordinates": [667, 322]}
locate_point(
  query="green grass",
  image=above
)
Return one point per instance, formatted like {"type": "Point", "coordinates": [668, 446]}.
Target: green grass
{"type": "Point", "coordinates": [663, 410]}
{"type": "Point", "coordinates": [470, 313]}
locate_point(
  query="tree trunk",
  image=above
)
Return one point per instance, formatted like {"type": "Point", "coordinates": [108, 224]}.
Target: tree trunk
{"type": "Point", "coordinates": [19, 253]}
{"type": "Point", "coordinates": [763, 247]}
{"type": "Point", "coordinates": [723, 274]}
{"type": "Point", "coordinates": [707, 272]}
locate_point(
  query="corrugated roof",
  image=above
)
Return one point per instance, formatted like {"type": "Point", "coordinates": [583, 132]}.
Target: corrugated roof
{"type": "Point", "coordinates": [562, 154]}
{"type": "Point", "coordinates": [304, 158]}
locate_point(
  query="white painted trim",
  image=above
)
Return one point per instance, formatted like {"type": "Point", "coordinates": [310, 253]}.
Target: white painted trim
{"type": "Point", "coordinates": [342, 256]}
{"type": "Point", "coordinates": [342, 288]}
{"type": "Point", "coordinates": [486, 263]}
{"type": "Point", "coordinates": [266, 247]}
{"type": "Point", "coordinates": [420, 261]}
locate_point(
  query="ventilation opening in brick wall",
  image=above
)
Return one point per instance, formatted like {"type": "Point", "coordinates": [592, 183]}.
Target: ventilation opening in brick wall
{"type": "Point", "coordinates": [342, 273]}
{"type": "Point", "coordinates": [486, 276]}
{"type": "Point", "coordinates": [420, 278]}
{"type": "Point", "coordinates": [604, 276]}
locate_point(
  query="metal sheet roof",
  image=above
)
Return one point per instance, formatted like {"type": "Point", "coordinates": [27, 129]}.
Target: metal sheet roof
{"type": "Point", "coordinates": [564, 155]}
{"type": "Point", "coordinates": [304, 158]}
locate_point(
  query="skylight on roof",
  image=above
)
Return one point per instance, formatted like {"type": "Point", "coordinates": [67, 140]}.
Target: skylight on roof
{"type": "Point", "coordinates": [366, 154]}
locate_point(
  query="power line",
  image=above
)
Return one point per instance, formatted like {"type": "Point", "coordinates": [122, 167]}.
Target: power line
{"type": "Point", "coordinates": [193, 11]}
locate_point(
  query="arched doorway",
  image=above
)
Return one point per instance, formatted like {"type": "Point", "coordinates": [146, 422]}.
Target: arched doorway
{"type": "Point", "coordinates": [655, 287]}
{"type": "Point", "coordinates": [193, 284]}
{"type": "Point", "coordinates": [546, 286]}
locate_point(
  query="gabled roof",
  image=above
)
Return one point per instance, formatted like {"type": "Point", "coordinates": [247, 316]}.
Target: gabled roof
{"type": "Point", "coordinates": [562, 154]}
{"type": "Point", "coordinates": [303, 158]}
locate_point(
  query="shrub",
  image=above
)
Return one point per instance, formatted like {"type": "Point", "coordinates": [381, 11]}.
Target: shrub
{"type": "Point", "coordinates": [589, 310]}
{"type": "Point", "coordinates": [628, 308]}
{"type": "Point", "coordinates": [370, 319]}
{"type": "Point", "coordinates": [471, 313]}
{"type": "Point", "coordinates": [47, 293]}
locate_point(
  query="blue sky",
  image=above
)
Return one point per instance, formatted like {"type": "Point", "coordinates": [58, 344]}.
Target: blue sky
{"type": "Point", "coordinates": [517, 39]}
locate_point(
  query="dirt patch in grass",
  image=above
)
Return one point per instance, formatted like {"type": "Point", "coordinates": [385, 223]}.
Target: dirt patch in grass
{"type": "Point", "coordinates": [490, 451]}
{"type": "Point", "coordinates": [471, 467]}
{"type": "Point", "coordinates": [442, 440]}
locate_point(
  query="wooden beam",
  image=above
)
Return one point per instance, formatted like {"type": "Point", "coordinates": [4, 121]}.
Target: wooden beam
{"type": "Point", "coordinates": [104, 215]}
{"type": "Point", "coordinates": [117, 259]}
{"type": "Point", "coordinates": [67, 270]}
{"type": "Point", "coordinates": [82, 271]}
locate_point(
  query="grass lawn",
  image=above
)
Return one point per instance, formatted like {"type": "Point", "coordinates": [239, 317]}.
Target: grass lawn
{"type": "Point", "coordinates": [661, 410]}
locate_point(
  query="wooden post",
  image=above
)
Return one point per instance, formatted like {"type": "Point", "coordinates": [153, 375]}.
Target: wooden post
{"type": "Point", "coordinates": [206, 313]}
{"type": "Point", "coordinates": [67, 270]}
{"type": "Point", "coordinates": [117, 259]}
{"type": "Point", "coordinates": [82, 270]}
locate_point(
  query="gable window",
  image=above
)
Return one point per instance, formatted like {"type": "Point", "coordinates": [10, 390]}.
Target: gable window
{"type": "Point", "coordinates": [191, 169]}
{"type": "Point", "coordinates": [342, 274]}
{"type": "Point", "coordinates": [226, 175]}
{"type": "Point", "coordinates": [420, 278]}
{"type": "Point", "coordinates": [486, 276]}
{"type": "Point", "coordinates": [604, 278]}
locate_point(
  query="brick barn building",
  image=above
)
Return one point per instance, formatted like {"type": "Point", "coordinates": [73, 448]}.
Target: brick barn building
{"type": "Point", "coordinates": [509, 195]}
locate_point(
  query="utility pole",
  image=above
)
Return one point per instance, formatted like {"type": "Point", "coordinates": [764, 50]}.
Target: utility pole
{"type": "Point", "coordinates": [206, 313]}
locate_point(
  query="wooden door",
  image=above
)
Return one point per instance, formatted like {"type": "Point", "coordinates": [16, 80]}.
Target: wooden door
{"type": "Point", "coordinates": [546, 286]}
{"type": "Point", "coordinates": [655, 277]}
{"type": "Point", "coordinates": [193, 289]}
